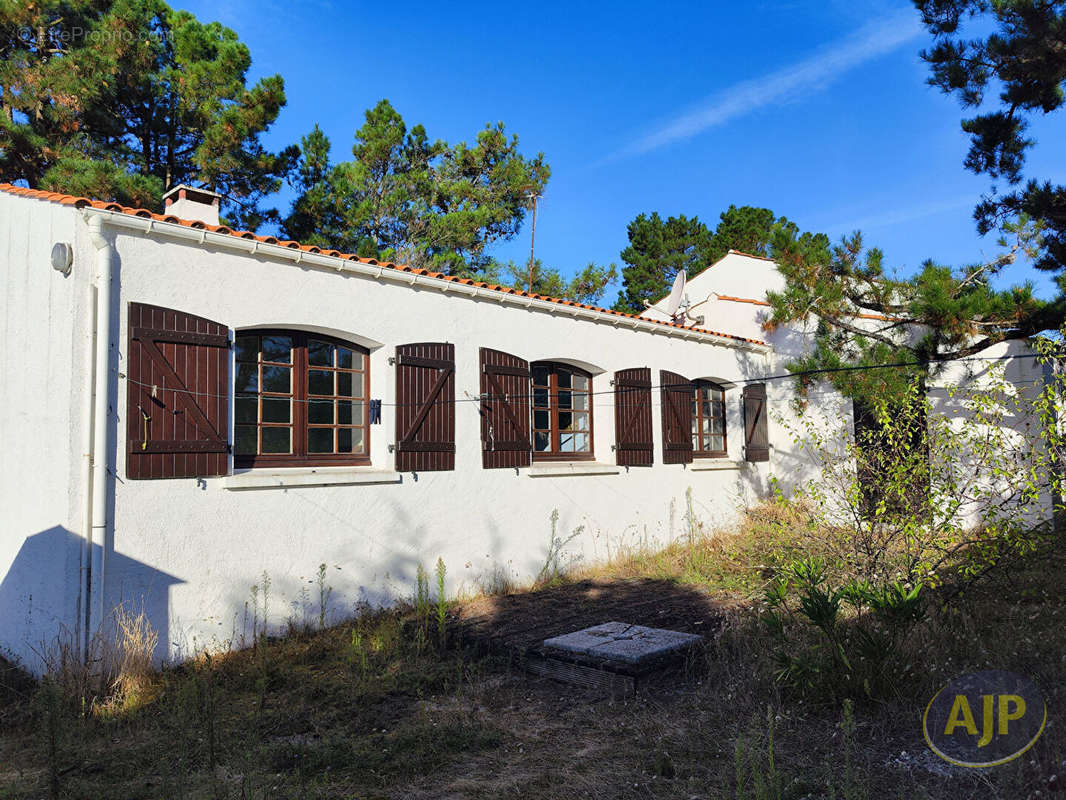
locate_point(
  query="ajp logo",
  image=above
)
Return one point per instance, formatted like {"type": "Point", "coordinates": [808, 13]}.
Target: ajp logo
{"type": "Point", "coordinates": [984, 718]}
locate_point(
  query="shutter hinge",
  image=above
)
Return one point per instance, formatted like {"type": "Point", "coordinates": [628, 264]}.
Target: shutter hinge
{"type": "Point", "coordinates": [392, 361]}
{"type": "Point", "coordinates": [612, 381]}
{"type": "Point", "coordinates": [392, 448]}
{"type": "Point", "coordinates": [229, 448]}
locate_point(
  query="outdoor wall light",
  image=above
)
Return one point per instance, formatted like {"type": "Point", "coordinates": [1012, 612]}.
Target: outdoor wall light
{"type": "Point", "coordinates": [62, 257]}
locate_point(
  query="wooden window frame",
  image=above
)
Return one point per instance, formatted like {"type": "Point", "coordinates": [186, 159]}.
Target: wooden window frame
{"type": "Point", "coordinates": [555, 454]}
{"type": "Point", "coordinates": [299, 457]}
{"type": "Point", "coordinates": [701, 420]}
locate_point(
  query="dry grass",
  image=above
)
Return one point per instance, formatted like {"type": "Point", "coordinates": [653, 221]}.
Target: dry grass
{"type": "Point", "coordinates": [372, 709]}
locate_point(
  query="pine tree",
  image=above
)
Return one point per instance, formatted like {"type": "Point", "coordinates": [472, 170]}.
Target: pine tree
{"type": "Point", "coordinates": [1020, 54]}
{"type": "Point", "coordinates": [658, 249]}
{"type": "Point", "coordinates": [121, 100]}
{"type": "Point", "coordinates": [403, 197]}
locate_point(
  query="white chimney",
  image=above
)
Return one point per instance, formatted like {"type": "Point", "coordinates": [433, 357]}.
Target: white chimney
{"type": "Point", "coordinates": [189, 203]}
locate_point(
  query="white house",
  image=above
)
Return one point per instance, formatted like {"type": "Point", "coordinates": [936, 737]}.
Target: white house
{"type": "Point", "coordinates": [192, 411]}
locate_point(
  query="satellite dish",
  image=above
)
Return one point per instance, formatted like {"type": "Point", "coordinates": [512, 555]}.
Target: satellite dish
{"type": "Point", "coordinates": [673, 302]}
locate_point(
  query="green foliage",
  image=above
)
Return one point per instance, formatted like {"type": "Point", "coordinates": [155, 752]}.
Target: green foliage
{"type": "Point", "coordinates": [120, 100]}
{"type": "Point", "coordinates": [1018, 55]}
{"type": "Point", "coordinates": [658, 249]}
{"type": "Point", "coordinates": [586, 286]}
{"type": "Point", "coordinates": [441, 607]}
{"type": "Point", "coordinates": [865, 316]}
{"type": "Point", "coordinates": [822, 654]}
{"type": "Point", "coordinates": [756, 773]}
{"type": "Point", "coordinates": [912, 494]}
{"type": "Point", "coordinates": [406, 198]}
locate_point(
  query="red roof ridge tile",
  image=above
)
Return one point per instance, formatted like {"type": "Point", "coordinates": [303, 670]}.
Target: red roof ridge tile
{"type": "Point", "coordinates": [749, 255]}
{"type": "Point", "coordinates": [81, 202]}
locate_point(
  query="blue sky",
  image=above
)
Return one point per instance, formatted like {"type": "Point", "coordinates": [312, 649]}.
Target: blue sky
{"type": "Point", "coordinates": [817, 110]}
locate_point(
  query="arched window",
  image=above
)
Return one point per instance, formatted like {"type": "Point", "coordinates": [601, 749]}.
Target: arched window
{"type": "Point", "coordinates": [562, 412]}
{"type": "Point", "coordinates": [300, 400]}
{"type": "Point", "coordinates": [708, 421]}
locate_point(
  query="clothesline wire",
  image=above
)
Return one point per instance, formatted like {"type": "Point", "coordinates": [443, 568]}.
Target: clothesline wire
{"type": "Point", "coordinates": [479, 398]}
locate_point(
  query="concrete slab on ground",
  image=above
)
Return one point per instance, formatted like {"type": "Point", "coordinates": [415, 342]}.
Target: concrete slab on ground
{"type": "Point", "coordinates": [636, 645]}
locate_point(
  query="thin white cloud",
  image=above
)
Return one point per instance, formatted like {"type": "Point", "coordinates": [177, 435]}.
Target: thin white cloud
{"type": "Point", "coordinates": [811, 74]}
{"type": "Point", "coordinates": [885, 219]}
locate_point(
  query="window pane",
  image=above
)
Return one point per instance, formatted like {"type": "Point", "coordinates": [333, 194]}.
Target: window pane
{"type": "Point", "coordinates": [345, 383]}
{"type": "Point", "coordinates": [344, 440]}
{"type": "Point", "coordinates": [581, 422]}
{"type": "Point", "coordinates": [695, 424]}
{"type": "Point", "coordinates": [277, 348]}
{"type": "Point", "coordinates": [695, 441]}
{"type": "Point", "coordinates": [581, 401]}
{"type": "Point", "coordinates": [277, 379]}
{"type": "Point", "coordinates": [344, 357]}
{"type": "Point", "coordinates": [717, 443]}
{"type": "Point", "coordinates": [706, 408]}
{"type": "Point", "coordinates": [247, 378]}
{"type": "Point", "coordinates": [565, 420]}
{"type": "Point", "coordinates": [565, 400]}
{"type": "Point", "coordinates": [320, 354]}
{"type": "Point", "coordinates": [581, 382]}
{"type": "Point", "coordinates": [695, 408]}
{"type": "Point", "coordinates": [344, 412]}
{"type": "Point", "coordinates": [320, 411]}
{"type": "Point", "coordinates": [540, 420]}
{"type": "Point", "coordinates": [277, 440]}
{"type": "Point", "coordinates": [582, 444]}
{"type": "Point", "coordinates": [357, 413]}
{"type": "Point", "coordinates": [564, 379]}
{"type": "Point", "coordinates": [246, 443]}
{"type": "Point", "coordinates": [540, 376]}
{"type": "Point", "coordinates": [716, 424]}
{"type": "Point", "coordinates": [247, 410]}
{"type": "Point", "coordinates": [276, 409]}
{"type": "Point", "coordinates": [350, 384]}
{"type": "Point", "coordinates": [358, 361]}
{"type": "Point", "coordinates": [320, 440]}
{"type": "Point", "coordinates": [566, 442]}
{"type": "Point", "coordinates": [319, 381]}
{"type": "Point", "coordinates": [716, 395]}
{"type": "Point", "coordinates": [540, 398]}
{"type": "Point", "coordinates": [247, 348]}
{"type": "Point", "coordinates": [541, 442]}
{"type": "Point", "coordinates": [357, 440]}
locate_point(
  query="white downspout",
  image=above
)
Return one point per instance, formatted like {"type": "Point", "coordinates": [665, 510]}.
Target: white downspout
{"type": "Point", "coordinates": [100, 445]}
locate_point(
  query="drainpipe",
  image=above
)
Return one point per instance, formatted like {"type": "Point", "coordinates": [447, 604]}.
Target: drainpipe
{"type": "Point", "coordinates": [99, 447]}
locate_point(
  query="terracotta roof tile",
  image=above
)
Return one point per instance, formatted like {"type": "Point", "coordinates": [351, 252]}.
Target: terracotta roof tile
{"type": "Point", "coordinates": [82, 202]}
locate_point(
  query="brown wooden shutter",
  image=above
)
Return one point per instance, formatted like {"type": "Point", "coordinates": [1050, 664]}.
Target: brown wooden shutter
{"type": "Point", "coordinates": [756, 436]}
{"type": "Point", "coordinates": [505, 388]}
{"type": "Point", "coordinates": [632, 418]}
{"type": "Point", "coordinates": [677, 417]}
{"type": "Point", "coordinates": [177, 409]}
{"type": "Point", "coordinates": [425, 407]}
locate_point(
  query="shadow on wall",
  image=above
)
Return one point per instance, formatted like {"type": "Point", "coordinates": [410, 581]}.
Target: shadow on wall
{"type": "Point", "coordinates": [39, 595]}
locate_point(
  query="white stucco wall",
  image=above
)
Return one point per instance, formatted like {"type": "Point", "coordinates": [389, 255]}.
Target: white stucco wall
{"type": "Point", "coordinates": [45, 401]}
{"type": "Point", "coordinates": [188, 551]}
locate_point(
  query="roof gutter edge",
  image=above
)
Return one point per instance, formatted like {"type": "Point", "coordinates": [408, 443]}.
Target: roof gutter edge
{"type": "Point", "coordinates": [202, 236]}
